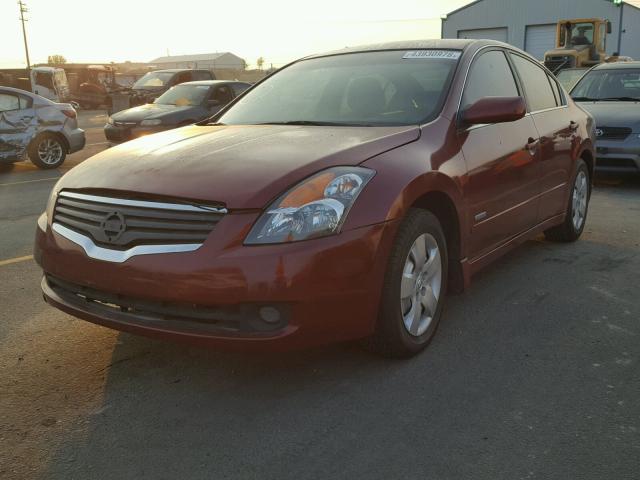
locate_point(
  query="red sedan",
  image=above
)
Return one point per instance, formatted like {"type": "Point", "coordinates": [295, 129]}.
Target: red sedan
{"type": "Point", "coordinates": [340, 198]}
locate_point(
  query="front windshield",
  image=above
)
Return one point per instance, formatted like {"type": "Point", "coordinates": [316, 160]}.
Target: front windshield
{"type": "Point", "coordinates": [153, 79]}
{"type": "Point", "coordinates": [183, 95]}
{"type": "Point", "coordinates": [372, 88]}
{"type": "Point", "coordinates": [609, 84]}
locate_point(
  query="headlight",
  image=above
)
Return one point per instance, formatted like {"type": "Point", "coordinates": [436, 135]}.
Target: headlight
{"type": "Point", "coordinates": [150, 123]}
{"type": "Point", "coordinates": [110, 121]}
{"type": "Point", "coordinates": [316, 207]}
{"type": "Point", "coordinates": [48, 213]}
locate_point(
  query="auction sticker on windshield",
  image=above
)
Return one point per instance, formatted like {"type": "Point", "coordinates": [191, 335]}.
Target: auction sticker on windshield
{"type": "Point", "coordinates": [450, 54]}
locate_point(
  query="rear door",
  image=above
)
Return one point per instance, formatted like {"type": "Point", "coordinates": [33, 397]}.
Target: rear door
{"type": "Point", "coordinates": [18, 125]}
{"type": "Point", "coordinates": [556, 129]}
{"type": "Point", "coordinates": [502, 161]}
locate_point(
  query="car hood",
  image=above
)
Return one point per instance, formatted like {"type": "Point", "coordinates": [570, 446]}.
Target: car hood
{"type": "Point", "coordinates": [614, 114]}
{"type": "Point", "coordinates": [243, 167]}
{"type": "Point", "coordinates": [148, 111]}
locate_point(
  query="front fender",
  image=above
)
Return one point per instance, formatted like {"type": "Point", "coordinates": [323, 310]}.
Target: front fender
{"type": "Point", "coordinates": [406, 174]}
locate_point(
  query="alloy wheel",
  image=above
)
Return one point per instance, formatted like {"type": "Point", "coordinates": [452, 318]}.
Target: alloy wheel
{"type": "Point", "coordinates": [579, 200]}
{"type": "Point", "coordinates": [50, 151]}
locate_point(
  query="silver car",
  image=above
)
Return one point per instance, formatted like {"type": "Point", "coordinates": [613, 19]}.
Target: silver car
{"type": "Point", "coordinates": [45, 130]}
{"type": "Point", "coordinates": [611, 93]}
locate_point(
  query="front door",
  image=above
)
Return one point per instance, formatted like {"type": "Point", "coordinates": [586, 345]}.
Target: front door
{"type": "Point", "coordinates": [502, 161]}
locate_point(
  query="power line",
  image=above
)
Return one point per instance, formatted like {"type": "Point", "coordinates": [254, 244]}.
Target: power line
{"type": "Point", "coordinates": [23, 10]}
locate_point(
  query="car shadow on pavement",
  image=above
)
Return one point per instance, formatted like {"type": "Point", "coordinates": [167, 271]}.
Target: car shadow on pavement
{"type": "Point", "coordinates": [505, 388]}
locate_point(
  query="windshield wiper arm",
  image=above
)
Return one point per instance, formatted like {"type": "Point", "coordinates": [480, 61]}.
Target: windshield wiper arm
{"type": "Point", "coordinates": [584, 99]}
{"type": "Point", "coordinates": [621, 99]}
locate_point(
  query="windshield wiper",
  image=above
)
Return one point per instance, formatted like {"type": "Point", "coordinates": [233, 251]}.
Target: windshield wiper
{"type": "Point", "coordinates": [317, 123]}
{"type": "Point", "coordinates": [620, 99]}
{"type": "Point", "coordinates": [584, 99]}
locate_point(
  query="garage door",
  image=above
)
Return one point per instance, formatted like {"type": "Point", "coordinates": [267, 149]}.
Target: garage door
{"type": "Point", "coordinates": [539, 39]}
{"type": "Point", "coordinates": [499, 34]}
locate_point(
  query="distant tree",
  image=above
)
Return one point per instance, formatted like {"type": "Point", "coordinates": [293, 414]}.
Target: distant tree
{"type": "Point", "coordinates": [260, 63]}
{"type": "Point", "coordinates": [56, 60]}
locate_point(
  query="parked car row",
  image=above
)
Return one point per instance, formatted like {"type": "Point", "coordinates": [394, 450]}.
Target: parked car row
{"type": "Point", "coordinates": [341, 198]}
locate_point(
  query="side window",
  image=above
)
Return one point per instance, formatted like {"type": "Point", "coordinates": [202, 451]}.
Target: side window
{"type": "Point", "coordinates": [540, 96]}
{"type": "Point", "coordinates": [9, 102]}
{"type": "Point", "coordinates": [200, 75]}
{"type": "Point", "coordinates": [240, 88]}
{"type": "Point", "coordinates": [183, 77]}
{"type": "Point", "coordinates": [557, 91]}
{"type": "Point", "coordinates": [490, 76]}
{"type": "Point", "coordinates": [222, 94]}
{"type": "Point", "coordinates": [25, 102]}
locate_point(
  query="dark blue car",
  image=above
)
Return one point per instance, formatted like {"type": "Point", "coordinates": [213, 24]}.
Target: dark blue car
{"type": "Point", "coordinates": [181, 105]}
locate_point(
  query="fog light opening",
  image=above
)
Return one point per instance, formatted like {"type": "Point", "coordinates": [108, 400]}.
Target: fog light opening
{"type": "Point", "coordinates": [269, 315]}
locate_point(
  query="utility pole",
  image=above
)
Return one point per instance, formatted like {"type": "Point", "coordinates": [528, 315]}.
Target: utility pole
{"type": "Point", "coordinates": [23, 10]}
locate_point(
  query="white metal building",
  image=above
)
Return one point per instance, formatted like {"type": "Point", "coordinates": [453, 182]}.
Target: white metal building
{"type": "Point", "coordinates": [531, 24]}
{"type": "Point", "coordinates": [211, 61]}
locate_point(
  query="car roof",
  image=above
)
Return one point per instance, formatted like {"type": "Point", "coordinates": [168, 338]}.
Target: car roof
{"type": "Point", "coordinates": [213, 82]}
{"type": "Point", "coordinates": [617, 66]}
{"type": "Point", "coordinates": [445, 44]}
{"type": "Point", "coordinates": [16, 90]}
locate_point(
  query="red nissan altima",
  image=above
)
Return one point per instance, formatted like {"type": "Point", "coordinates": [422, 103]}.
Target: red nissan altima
{"type": "Point", "coordinates": [341, 198]}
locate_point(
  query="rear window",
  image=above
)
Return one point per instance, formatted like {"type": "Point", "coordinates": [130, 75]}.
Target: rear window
{"type": "Point", "coordinates": [397, 87]}
{"type": "Point", "coordinates": [200, 75]}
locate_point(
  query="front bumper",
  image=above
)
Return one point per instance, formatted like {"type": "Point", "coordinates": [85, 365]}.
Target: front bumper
{"type": "Point", "coordinates": [619, 156]}
{"type": "Point", "coordinates": [119, 133]}
{"type": "Point", "coordinates": [327, 289]}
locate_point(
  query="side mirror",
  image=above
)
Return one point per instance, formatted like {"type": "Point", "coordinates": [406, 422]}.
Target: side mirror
{"type": "Point", "coordinates": [494, 110]}
{"type": "Point", "coordinates": [609, 29]}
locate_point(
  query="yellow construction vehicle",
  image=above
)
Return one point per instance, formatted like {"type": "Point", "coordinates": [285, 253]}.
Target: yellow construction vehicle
{"type": "Point", "coordinates": [580, 42]}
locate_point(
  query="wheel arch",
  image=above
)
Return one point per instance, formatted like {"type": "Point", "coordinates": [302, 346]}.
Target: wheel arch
{"type": "Point", "coordinates": [444, 208]}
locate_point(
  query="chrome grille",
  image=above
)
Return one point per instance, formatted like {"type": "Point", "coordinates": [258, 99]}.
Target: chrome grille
{"type": "Point", "coordinates": [121, 223]}
{"type": "Point", "coordinates": [612, 133]}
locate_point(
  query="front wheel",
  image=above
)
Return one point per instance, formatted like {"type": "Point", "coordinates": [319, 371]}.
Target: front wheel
{"type": "Point", "coordinates": [576, 214]}
{"type": "Point", "coordinates": [47, 151]}
{"type": "Point", "coordinates": [414, 287]}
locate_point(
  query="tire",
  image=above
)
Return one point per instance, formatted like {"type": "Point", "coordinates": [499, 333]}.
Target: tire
{"type": "Point", "coordinates": [47, 151]}
{"type": "Point", "coordinates": [399, 333]}
{"type": "Point", "coordinates": [576, 213]}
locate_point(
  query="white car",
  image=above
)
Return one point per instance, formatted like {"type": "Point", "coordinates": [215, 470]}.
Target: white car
{"type": "Point", "coordinates": [45, 130]}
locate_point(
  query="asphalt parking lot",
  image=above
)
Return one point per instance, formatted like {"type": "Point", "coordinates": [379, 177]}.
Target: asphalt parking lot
{"type": "Point", "coordinates": [533, 374]}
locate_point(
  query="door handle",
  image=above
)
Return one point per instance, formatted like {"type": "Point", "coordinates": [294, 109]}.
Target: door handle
{"type": "Point", "coordinates": [573, 126]}
{"type": "Point", "coordinates": [532, 145]}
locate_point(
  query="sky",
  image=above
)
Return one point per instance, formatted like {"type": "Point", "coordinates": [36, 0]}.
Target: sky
{"type": "Point", "coordinates": [141, 30]}
{"type": "Point", "coordinates": [278, 30]}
